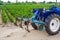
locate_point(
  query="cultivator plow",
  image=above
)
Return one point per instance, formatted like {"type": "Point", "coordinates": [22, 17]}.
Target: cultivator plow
{"type": "Point", "coordinates": [31, 20]}
{"type": "Point", "coordinates": [28, 21]}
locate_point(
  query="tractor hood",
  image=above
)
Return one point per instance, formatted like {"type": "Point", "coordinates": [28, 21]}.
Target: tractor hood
{"type": "Point", "coordinates": [55, 9]}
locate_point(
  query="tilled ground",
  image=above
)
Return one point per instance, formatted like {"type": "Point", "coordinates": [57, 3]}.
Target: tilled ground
{"type": "Point", "coordinates": [11, 32]}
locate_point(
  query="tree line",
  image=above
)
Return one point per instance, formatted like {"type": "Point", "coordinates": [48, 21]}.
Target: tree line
{"type": "Point", "coordinates": [33, 2]}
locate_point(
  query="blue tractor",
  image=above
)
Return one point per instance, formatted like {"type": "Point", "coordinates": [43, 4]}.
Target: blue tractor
{"type": "Point", "coordinates": [48, 19]}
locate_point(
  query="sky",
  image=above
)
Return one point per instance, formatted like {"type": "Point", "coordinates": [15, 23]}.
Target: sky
{"type": "Point", "coordinates": [31, 0]}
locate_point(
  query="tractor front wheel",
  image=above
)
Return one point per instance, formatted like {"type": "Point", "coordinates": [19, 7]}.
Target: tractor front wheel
{"type": "Point", "coordinates": [52, 24]}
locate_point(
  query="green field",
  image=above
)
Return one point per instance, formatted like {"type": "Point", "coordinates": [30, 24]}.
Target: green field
{"type": "Point", "coordinates": [10, 11]}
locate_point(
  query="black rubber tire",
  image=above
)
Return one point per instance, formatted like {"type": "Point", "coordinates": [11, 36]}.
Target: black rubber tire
{"type": "Point", "coordinates": [47, 23]}
{"type": "Point", "coordinates": [34, 26]}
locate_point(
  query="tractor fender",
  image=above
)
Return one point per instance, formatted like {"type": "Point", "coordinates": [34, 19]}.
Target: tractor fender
{"type": "Point", "coordinates": [49, 13]}
{"type": "Point", "coordinates": [46, 14]}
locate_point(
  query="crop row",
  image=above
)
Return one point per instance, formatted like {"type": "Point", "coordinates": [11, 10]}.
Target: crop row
{"type": "Point", "coordinates": [10, 11]}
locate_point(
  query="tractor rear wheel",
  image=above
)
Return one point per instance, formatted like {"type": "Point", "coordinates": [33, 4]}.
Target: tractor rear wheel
{"type": "Point", "coordinates": [52, 25]}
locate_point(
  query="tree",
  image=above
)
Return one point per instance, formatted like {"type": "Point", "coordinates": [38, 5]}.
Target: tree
{"type": "Point", "coordinates": [26, 1]}
{"type": "Point", "coordinates": [9, 2]}
{"type": "Point", "coordinates": [44, 1]}
{"type": "Point", "coordinates": [50, 2]}
{"type": "Point", "coordinates": [1, 2]}
{"type": "Point", "coordinates": [33, 2]}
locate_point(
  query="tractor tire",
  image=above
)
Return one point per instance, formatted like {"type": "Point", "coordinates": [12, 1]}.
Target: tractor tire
{"type": "Point", "coordinates": [34, 26]}
{"type": "Point", "coordinates": [52, 24]}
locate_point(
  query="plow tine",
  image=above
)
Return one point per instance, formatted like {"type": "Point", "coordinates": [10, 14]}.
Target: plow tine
{"type": "Point", "coordinates": [27, 24]}
{"type": "Point", "coordinates": [27, 29]}
{"type": "Point", "coordinates": [21, 26]}
{"type": "Point", "coordinates": [15, 23]}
